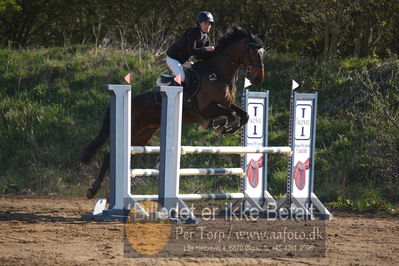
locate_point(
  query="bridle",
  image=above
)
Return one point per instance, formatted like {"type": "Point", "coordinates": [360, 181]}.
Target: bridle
{"type": "Point", "coordinates": [248, 68]}
{"type": "Point", "coordinates": [257, 47]}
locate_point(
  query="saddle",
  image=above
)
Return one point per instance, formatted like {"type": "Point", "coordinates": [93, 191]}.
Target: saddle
{"type": "Point", "coordinates": [190, 86]}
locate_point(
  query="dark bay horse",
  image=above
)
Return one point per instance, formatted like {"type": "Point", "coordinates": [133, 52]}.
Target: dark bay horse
{"type": "Point", "coordinates": [214, 101]}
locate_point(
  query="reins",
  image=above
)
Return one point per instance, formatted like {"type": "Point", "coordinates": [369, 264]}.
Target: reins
{"type": "Point", "coordinates": [251, 64]}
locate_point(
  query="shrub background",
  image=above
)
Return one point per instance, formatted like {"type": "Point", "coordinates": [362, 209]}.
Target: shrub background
{"type": "Point", "coordinates": [54, 55]}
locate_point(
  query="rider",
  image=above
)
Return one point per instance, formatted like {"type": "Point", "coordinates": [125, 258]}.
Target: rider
{"type": "Point", "coordinates": [194, 42]}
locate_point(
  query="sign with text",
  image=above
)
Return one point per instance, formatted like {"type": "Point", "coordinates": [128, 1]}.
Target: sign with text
{"type": "Point", "coordinates": [255, 123]}
{"type": "Point", "coordinates": [303, 141]}
{"type": "Point", "coordinates": [255, 135]}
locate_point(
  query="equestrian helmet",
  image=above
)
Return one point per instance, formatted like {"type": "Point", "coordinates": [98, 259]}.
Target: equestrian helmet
{"type": "Point", "coordinates": [204, 16]}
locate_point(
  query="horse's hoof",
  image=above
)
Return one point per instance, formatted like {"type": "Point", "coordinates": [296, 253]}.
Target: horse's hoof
{"type": "Point", "coordinates": [229, 130]}
{"type": "Point", "coordinates": [90, 193]}
{"type": "Point", "coordinates": [220, 130]}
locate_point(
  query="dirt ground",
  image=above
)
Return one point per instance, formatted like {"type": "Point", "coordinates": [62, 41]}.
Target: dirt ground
{"type": "Point", "coordinates": [42, 231]}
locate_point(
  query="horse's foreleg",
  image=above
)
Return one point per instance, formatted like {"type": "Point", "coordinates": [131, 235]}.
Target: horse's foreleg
{"type": "Point", "coordinates": [92, 191]}
{"type": "Point", "coordinates": [241, 113]}
{"type": "Point", "coordinates": [221, 125]}
{"type": "Point", "coordinates": [232, 128]}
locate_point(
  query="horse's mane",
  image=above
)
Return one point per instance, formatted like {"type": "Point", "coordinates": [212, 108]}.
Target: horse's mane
{"type": "Point", "coordinates": [234, 34]}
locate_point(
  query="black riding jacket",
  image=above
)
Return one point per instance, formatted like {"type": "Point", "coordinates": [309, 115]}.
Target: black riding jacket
{"type": "Point", "coordinates": [192, 43]}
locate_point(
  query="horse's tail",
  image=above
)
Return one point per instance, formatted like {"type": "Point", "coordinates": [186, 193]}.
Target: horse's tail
{"type": "Point", "coordinates": [93, 147]}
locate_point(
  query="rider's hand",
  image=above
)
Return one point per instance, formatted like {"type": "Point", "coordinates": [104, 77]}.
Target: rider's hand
{"type": "Point", "coordinates": [210, 48]}
{"type": "Point", "coordinates": [188, 64]}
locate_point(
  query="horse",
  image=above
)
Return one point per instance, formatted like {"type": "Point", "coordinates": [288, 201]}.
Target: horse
{"type": "Point", "coordinates": [212, 105]}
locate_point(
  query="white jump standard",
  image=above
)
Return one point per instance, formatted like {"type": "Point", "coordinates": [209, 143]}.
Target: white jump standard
{"type": "Point", "coordinates": [300, 198]}
{"type": "Point", "coordinates": [253, 170]}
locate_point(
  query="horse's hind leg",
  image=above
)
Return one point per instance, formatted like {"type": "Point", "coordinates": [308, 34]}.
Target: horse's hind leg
{"type": "Point", "coordinates": [143, 136]}
{"type": "Point", "coordinates": [99, 141]}
{"type": "Point", "coordinates": [92, 191]}
{"type": "Point", "coordinates": [137, 139]}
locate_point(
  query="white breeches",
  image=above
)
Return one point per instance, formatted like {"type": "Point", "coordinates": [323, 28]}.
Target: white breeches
{"type": "Point", "coordinates": [175, 67]}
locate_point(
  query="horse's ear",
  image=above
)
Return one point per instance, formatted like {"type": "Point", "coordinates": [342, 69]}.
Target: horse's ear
{"type": "Point", "coordinates": [262, 36]}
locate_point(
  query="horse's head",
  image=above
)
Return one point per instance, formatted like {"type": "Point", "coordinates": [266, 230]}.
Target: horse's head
{"type": "Point", "coordinates": [241, 48]}
{"type": "Point", "coordinates": [252, 60]}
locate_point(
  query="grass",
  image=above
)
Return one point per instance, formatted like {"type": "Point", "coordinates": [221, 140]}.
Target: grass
{"type": "Point", "coordinates": [51, 106]}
